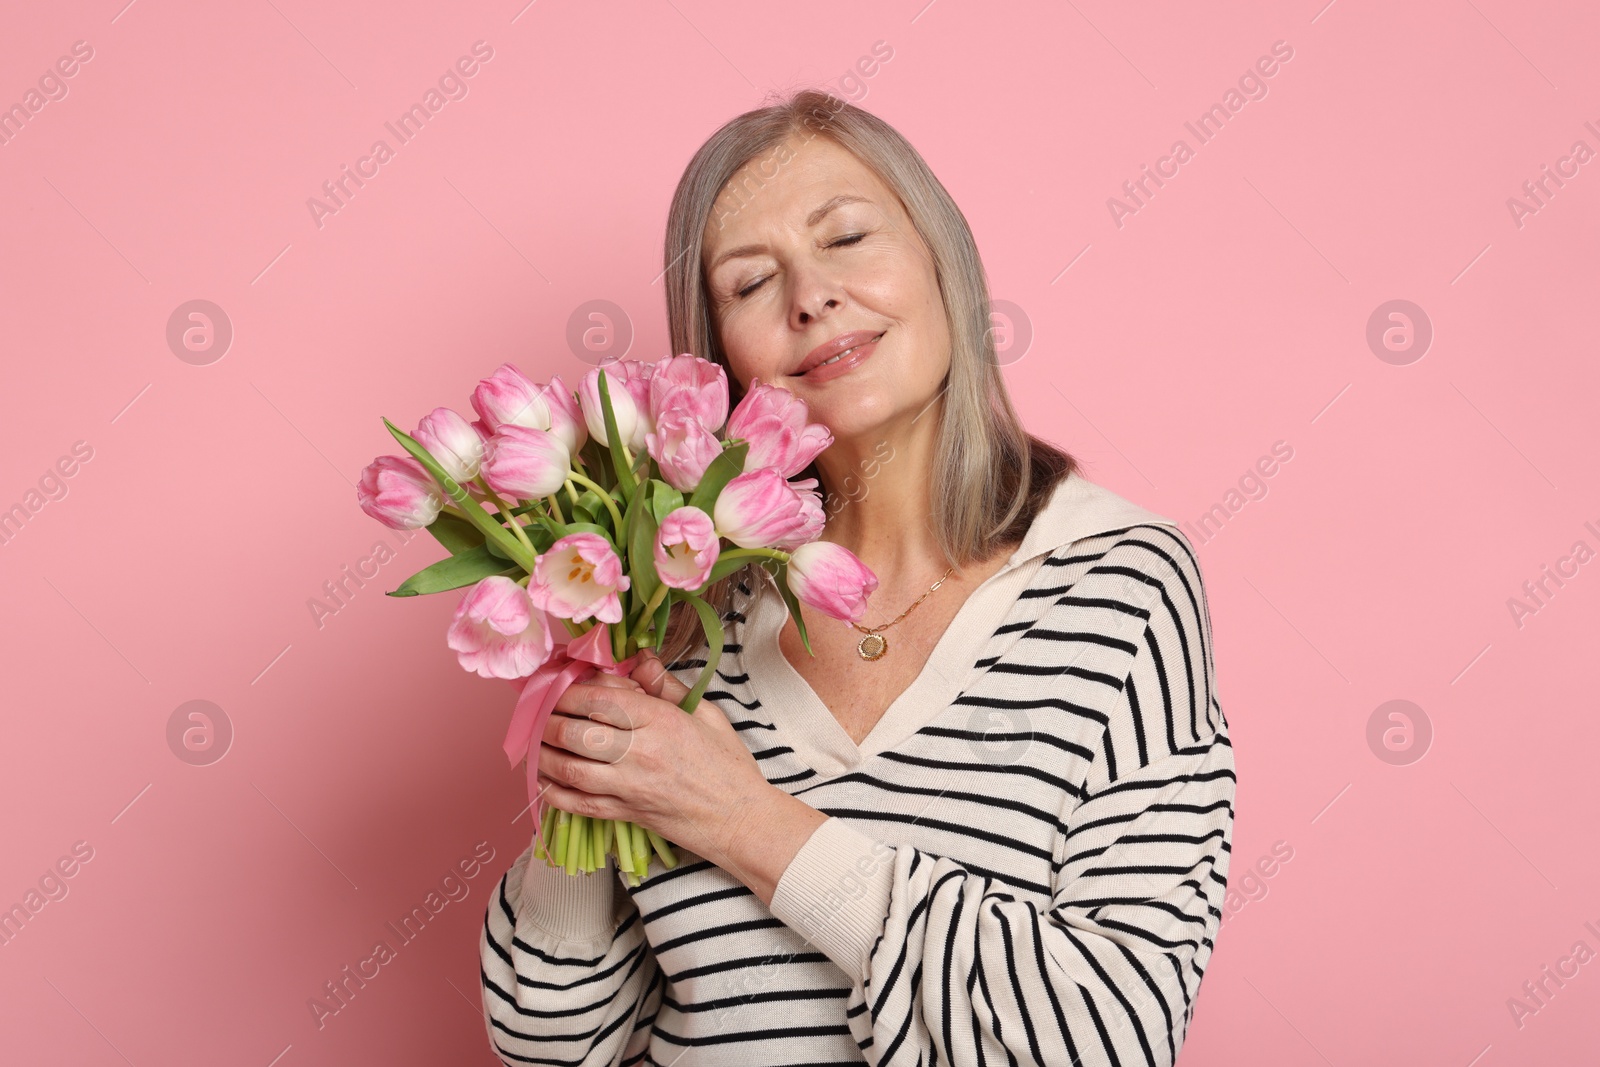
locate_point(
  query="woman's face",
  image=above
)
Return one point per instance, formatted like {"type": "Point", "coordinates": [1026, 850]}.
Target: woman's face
{"type": "Point", "coordinates": [806, 245]}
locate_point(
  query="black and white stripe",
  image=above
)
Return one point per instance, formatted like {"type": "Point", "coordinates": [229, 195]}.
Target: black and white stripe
{"type": "Point", "coordinates": [1059, 835]}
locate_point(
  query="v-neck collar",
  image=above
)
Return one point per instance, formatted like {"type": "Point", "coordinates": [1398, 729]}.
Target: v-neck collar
{"type": "Point", "coordinates": [1077, 508]}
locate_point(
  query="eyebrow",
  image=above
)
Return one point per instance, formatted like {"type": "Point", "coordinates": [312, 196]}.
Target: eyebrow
{"type": "Point", "coordinates": [811, 220]}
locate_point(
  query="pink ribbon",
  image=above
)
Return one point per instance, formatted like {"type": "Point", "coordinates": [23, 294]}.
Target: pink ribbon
{"type": "Point", "coordinates": [580, 658]}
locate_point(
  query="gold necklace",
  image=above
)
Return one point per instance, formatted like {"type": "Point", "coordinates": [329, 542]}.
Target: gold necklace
{"type": "Point", "coordinates": [874, 645]}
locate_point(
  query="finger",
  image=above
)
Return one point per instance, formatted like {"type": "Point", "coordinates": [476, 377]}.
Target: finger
{"type": "Point", "coordinates": [590, 696]}
{"type": "Point", "coordinates": [582, 741]}
{"type": "Point", "coordinates": [653, 675]}
{"type": "Point", "coordinates": [615, 680]}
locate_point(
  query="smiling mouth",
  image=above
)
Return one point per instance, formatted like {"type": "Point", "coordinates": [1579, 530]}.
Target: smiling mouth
{"type": "Point", "coordinates": [846, 352]}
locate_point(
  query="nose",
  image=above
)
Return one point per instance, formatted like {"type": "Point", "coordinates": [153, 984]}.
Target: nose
{"type": "Point", "coordinates": [812, 304]}
{"type": "Point", "coordinates": [814, 293]}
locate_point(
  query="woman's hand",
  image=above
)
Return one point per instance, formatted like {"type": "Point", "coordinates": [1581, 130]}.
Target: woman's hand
{"type": "Point", "coordinates": [621, 748]}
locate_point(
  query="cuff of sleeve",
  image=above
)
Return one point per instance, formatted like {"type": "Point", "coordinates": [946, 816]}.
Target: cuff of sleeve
{"type": "Point", "coordinates": [570, 907]}
{"type": "Point", "coordinates": [835, 893]}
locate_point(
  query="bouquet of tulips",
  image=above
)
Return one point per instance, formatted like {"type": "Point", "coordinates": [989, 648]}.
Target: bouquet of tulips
{"type": "Point", "coordinates": [574, 520]}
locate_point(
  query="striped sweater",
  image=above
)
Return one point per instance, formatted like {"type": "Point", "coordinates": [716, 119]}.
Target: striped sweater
{"type": "Point", "coordinates": [1023, 863]}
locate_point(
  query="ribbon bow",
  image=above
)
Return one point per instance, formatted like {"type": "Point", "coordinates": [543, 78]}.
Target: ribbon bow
{"type": "Point", "coordinates": [579, 658]}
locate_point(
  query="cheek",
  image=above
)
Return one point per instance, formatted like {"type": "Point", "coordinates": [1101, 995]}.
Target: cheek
{"type": "Point", "coordinates": [754, 349]}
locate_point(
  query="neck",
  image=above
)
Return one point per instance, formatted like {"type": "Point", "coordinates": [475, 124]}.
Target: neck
{"type": "Point", "coordinates": [879, 505]}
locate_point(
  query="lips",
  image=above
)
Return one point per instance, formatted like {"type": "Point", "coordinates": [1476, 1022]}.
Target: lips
{"type": "Point", "coordinates": [843, 343]}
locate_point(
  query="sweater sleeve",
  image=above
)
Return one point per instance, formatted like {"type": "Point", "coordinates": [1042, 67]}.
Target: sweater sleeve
{"type": "Point", "coordinates": [568, 976]}
{"type": "Point", "coordinates": [955, 969]}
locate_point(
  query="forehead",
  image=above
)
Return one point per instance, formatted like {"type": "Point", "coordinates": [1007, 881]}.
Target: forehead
{"type": "Point", "coordinates": [782, 186]}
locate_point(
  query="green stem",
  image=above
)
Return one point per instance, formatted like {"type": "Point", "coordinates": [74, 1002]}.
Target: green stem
{"type": "Point", "coordinates": [616, 516]}
{"type": "Point", "coordinates": [563, 834]}
{"type": "Point", "coordinates": [649, 612]}
{"type": "Point", "coordinates": [622, 836]}
{"type": "Point", "coordinates": [516, 527]}
{"type": "Point", "coordinates": [576, 839]}
{"type": "Point", "coordinates": [555, 506]}
{"type": "Point", "coordinates": [740, 553]}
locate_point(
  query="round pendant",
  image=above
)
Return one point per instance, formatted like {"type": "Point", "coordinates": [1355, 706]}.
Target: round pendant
{"type": "Point", "coordinates": [872, 646]}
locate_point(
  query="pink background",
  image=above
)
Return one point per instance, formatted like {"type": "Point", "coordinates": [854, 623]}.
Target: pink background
{"type": "Point", "coordinates": [1228, 313]}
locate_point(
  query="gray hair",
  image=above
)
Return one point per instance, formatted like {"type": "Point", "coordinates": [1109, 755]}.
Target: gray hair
{"type": "Point", "coordinates": [990, 476]}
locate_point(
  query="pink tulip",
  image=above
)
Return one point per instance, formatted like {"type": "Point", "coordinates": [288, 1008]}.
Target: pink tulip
{"type": "Point", "coordinates": [690, 386]}
{"type": "Point", "coordinates": [508, 396]}
{"type": "Point", "coordinates": [579, 577]}
{"type": "Point", "coordinates": [497, 632]}
{"type": "Point", "coordinates": [525, 463]}
{"type": "Point", "coordinates": [453, 441]}
{"type": "Point", "coordinates": [399, 493]}
{"type": "Point", "coordinates": [566, 417]}
{"type": "Point", "coordinates": [760, 509]}
{"type": "Point", "coordinates": [686, 548]}
{"type": "Point", "coordinates": [773, 420]}
{"type": "Point", "coordinates": [683, 448]}
{"type": "Point", "coordinates": [628, 386]}
{"type": "Point", "coordinates": [830, 578]}
{"type": "Point", "coordinates": [812, 516]}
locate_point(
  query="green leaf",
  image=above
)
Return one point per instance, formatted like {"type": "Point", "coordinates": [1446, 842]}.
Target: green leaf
{"type": "Point", "coordinates": [780, 571]}
{"type": "Point", "coordinates": [664, 499]}
{"type": "Point", "coordinates": [722, 568]}
{"type": "Point", "coordinates": [455, 534]}
{"type": "Point", "coordinates": [593, 454]}
{"type": "Point", "coordinates": [663, 612]}
{"type": "Point", "coordinates": [641, 546]}
{"type": "Point", "coordinates": [453, 572]}
{"type": "Point", "coordinates": [556, 529]}
{"type": "Point", "coordinates": [712, 626]}
{"type": "Point", "coordinates": [722, 470]}
{"type": "Point", "coordinates": [475, 513]}
{"type": "Point", "coordinates": [589, 527]}
{"type": "Point", "coordinates": [619, 461]}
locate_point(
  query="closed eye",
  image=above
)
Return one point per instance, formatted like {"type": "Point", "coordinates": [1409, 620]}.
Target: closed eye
{"type": "Point", "coordinates": [848, 239]}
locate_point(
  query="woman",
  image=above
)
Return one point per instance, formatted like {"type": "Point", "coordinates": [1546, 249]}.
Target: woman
{"type": "Point", "coordinates": [994, 829]}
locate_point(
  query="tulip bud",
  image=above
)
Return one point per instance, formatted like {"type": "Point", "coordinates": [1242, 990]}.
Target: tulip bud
{"type": "Point", "coordinates": [773, 421]}
{"type": "Point", "coordinates": [452, 441]}
{"type": "Point", "coordinates": [829, 578]}
{"type": "Point", "coordinates": [761, 509]}
{"type": "Point", "coordinates": [399, 493]}
{"type": "Point", "coordinates": [683, 448]}
{"type": "Point", "coordinates": [525, 463]}
{"type": "Point", "coordinates": [690, 387]}
{"type": "Point", "coordinates": [508, 396]}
